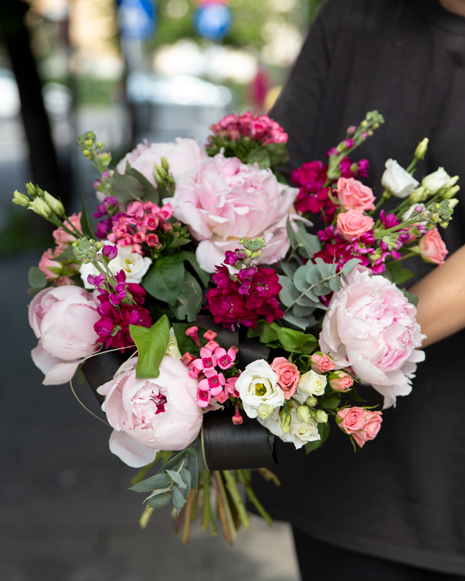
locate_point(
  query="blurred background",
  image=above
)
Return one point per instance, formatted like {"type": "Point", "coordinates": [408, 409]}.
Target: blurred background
{"type": "Point", "coordinates": [128, 70]}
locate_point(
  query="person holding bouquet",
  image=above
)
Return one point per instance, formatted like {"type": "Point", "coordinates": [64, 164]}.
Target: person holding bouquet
{"type": "Point", "coordinates": [398, 510]}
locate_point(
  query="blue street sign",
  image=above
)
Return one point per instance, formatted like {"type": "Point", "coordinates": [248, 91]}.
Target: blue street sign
{"type": "Point", "coordinates": [137, 18]}
{"type": "Point", "coordinates": [212, 21]}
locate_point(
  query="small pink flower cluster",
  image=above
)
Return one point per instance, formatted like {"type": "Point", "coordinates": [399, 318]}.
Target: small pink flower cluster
{"type": "Point", "coordinates": [258, 128]}
{"type": "Point", "coordinates": [212, 381]}
{"type": "Point", "coordinates": [138, 225]}
{"type": "Point", "coordinates": [363, 425]}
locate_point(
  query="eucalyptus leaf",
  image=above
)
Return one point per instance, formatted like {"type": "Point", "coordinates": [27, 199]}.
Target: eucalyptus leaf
{"type": "Point", "coordinates": [302, 311]}
{"type": "Point", "coordinates": [157, 481]}
{"type": "Point", "coordinates": [349, 266]}
{"type": "Point", "coordinates": [159, 501]}
{"type": "Point", "coordinates": [193, 467]}
{"type": "Point", "coordinates": [290, 233]}
{"type": "Point", "coordinates": [86, 223]}
{"type": "Point", "coordinates": [176, 478]}
{"type": "Point", "coordinates": [36, 278]}
{"type": "Point", "coordinates": [288, 294]}
{"type": "Point", "coordinates": [187, 479]}
{"type": "Point", "coordinates": [204, 276]}
{"type": "Point", "coordinates": [178, 499]}
{"type": "Point", "coordinates": [157, 492]}
{"type": "Point", "coordinates": [126, 188]}
{"type": "Point", "coordinates": [174, 462]}
{"type": "Point", "coordinates": [289, 268]}
{"type": "Point", "coordinates": [308, 242]}
{"type": "Point", "coordinates": [151, 345]}
{"type": "Point", "coordinates": [335, 283]}
{"type": "Point", "coordinates": [299, 322]}
{"type": "Point", "coordinates": [325, 269]}
{"type": "Point", "coordinates": [165, 279]}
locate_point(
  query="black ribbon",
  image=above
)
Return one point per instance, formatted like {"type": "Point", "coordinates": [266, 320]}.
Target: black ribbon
{"type": "Point", "coordinates": [102, 368]}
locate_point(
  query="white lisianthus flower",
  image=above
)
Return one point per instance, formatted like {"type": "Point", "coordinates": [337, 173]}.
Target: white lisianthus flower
{"type": "Point", "coordinates": [436, 180]}
{"type": "Point", "coordinates": [172, 350]}
{"type": "Point", "coordinates": [258, 384]}
{"type": "Point", "coordinates": [134, 265]}
{"type": "Point", "coordinates": [312, 383]}
{"type": "Point", "coordinates": [397, 180]}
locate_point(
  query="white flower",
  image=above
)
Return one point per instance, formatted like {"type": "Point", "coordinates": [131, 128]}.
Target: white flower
{"type": "Point", "coordinates": [436, 180]}
{"type": "Point", "coordinates": [312, 383]}
{"type": "Point", "coordinates": [408, 214]}
{"type": "Point", "coordinates": [134, 265]}
{"type": "Point", "coordinates": [172, 350]}
{"type": "Point", "coordinates": [397, 180]}
{"type": "Point", "coordinates": [258, 384]}
{"type": "Point", "coordinates": [303, 432]}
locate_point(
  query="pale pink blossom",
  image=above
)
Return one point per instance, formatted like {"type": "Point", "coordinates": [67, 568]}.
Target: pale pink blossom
{"type": "Point", "coordinates": [363, 425]}
{"type": "Point", "coordinates": [322, 363]}
{"type": "Point", "coordinates": [432, 247]}
{"type": "Point", "coordinates": [149, 415]}
{"type": "Point", "coordinates": [227, 200]}
{"type": "Point", "coordinates": [62, 238]}
{"type": "Point", "coordinates": [63, 320]}
{"type": "Point", "coordinates": [182, 155]}
{"type": "Point", "coordinates": [50, 267]}
{"type": "Point", "coordinates": [370, 325]}
{"type": "Point", "coordinates": [353, 195]}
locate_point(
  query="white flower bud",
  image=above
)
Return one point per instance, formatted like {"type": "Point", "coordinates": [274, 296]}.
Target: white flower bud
{"type": "Point", "coordinates": [453, 203]}
{"type": "Point", "coordinates": [20, 199]}
{"type": "Point", "coordinates": [397, 180]}
{"type": "Point", "coordinates": [311, 401]}
{"type": "Point", "coordinates": [421, 149]}
{"type": "Point", "coordinates": [55, 205]}
{"type": "Point", "coordinates": [321, 417]}
{"type": "Point", "coordinates": [40, 207]}
{"type": "Point", "coordinates": [264, 410]}
{"type": "Point", "coordinates": [304, 413]}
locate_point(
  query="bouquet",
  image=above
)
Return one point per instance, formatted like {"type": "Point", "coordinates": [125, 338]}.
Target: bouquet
{"type": "Point", "coordinates": [222, 320]}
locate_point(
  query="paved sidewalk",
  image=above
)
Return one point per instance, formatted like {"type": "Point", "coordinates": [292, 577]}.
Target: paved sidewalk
{"type": "Point", "coordinates": [65, 511]}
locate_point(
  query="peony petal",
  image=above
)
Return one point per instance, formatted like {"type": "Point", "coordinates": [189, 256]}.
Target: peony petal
{"type": "Point", "coordinates": [130, 451]}
{"type": "Point", "coordinates": [42, 359]}
{"type": "Point", "coordinates": [80, 320]}
{"type": "Point", "coordinates": [208, 256]}
{"type": "Point", "coordinates": [61, 373]}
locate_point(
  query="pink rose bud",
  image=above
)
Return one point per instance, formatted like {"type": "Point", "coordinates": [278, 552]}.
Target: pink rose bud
{"type": "Point", "coordinates": [322, 363]}
{"type": "Point", "coordinates": [432, 247]}
{"type": "Point", "coordinates": [353, 419]}
{"type": "Point", "coordinates": [353, 195]}
{"type": "Point", "coordinates": [340, 381]}
{"type": "Point", "coordinates": [353, 223]}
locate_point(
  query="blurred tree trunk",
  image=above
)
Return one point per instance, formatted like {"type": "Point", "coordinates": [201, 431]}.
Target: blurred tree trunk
{"type": "Point", "coordinates": [43, 157]}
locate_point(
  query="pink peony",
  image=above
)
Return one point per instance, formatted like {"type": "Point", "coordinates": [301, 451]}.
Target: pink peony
{"type": "Point", "coordinates": [149, 415]}
{"type": "Point", "coordinates": [432, 247]}
{"type": "Point", "coordinates": [353, 195]}
{"type": "Point", "coordinates": [352, 224]}
{"type": "Point", "coordinates": [63, 320]}
{"type": "Point", "coordinates": [363, 425]}
{"type": "Point", "coordinates": [371, 326]}
{"type": "Point", "coordinates": [182, 155]}
{"type": "Point", "coordinates": [228, 200]}
{"type": "Point", "coordinates": [62, 238]}
{"type": "Point", "coordinates": [322, 363]}
{"type": "Point", "coordinates": [288, 375]}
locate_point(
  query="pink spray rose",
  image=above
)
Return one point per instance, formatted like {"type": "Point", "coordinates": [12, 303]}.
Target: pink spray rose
{"type": "Point", "coordinates": [363, 425]}
{"type": "Point", "coordinates": [149, 415]}
{"type": "Point", "coordinates": [432, 247]}
{"type": "Point", "coordinates": [288, 375]}
{"type": "Point", "coordinates": [321, 363]}
{"type": "Point", "coordinates": [182, 155]}
{"type": "Point", "coordinates": [340, 381]}
{"type": "Point", "coordinates": [371, 326]}
{"type": "Point", "coordinates": [353, 195]}
{"type": "Point", "coordinates": [50, 267]}
{"type": "Point", "coordinates": [352, 224]}
{"type": "Point", "coordinates": [226, 201]}
{"type": "Point", "coordinates": [63, 320]}
{"type": "Point", "coordinates": [62, 238]}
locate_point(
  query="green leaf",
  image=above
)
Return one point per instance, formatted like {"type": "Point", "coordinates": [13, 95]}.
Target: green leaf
{"type": "Point", "coordinates": [68, 254]}
{"type": "Point", "coordinates": [311, 446]}
{"type": "Point", "coordinates": [190, 257]}
{"type": "Point", "coordinates": [290, 233]}
{"type": "Point", "coordinates": [299, 322]}
{"type": "Point", "coordinates": [193, 467]}
{"type": "Point", "coordinates": [185, 343]}
{"type": "Point", "coordinates": [86, 222]}
{"type": "Point", "coordinates": [165, 279]}
{"type": "Point", "coordinates": [289, 268]}
{"type": "Point", "coordinates": [176, 478]}
{"type": "Point", "coordinates": [174, 462]}
{"type": "Point", "coordinates": [277, 153]}
{"type": "Point", "coordinates": [291, 339]}
{"type": "Point", "coordinates": [323, 430]}
{"type": "Point", "coordinates": [126, 188]}
{"type": "Point", "coordinates": [309, 243]}
{"type": "Point", "coordinates": [302, 311]}
{"type": "Point", "coordinates": [189, 299]}
{"type": "Point", "coordinates": [354, 395]}
{"type": "Point", "coordinates": [152, 483]}
{"type": "Point", "coordinates": [288, 294]}
{"type": "Point", "coordinates": [178, 499]}
{"type": "Point", "coordinates": [151, 345]}
{"type": "Point", "coordinates": [325, 269]}
{"type": "Point", "coordinates": [159, 501]}
{"type": "Point", "coordinates": [36, 278]}
{"type": "Point", "coordinates": [411, 298]}
{"type": "Point", "coordinates": [150, 191]}
{"type": "Point", "coordinates": [261, 156]}
{"type": "Point", "coordinates": [157, 492]}
{"type": "Point", "coordinates": [398, 274]}
{"type": "Point", "coordinates": [187, 479]}
{"type": "Point", "coordinates": [349, 266]}
{"type": "Point", "coordinates": [331, 401]}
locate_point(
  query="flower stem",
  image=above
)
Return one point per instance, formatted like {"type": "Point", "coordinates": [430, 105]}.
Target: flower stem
{"type": "Point", "coordinates": [253, 499]}
{"type": "Point", "coordinates": [233, 490]}
{"type": "Point", "coordinates": [187, 520]}
{"type": "Point", "coordinates": [227, 508]}
{"type": "Point", "coordinates": [207, 503]}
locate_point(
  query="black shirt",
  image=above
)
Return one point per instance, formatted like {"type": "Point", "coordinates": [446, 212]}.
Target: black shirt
{"type": "Point", "coordinates": [403, 496]}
